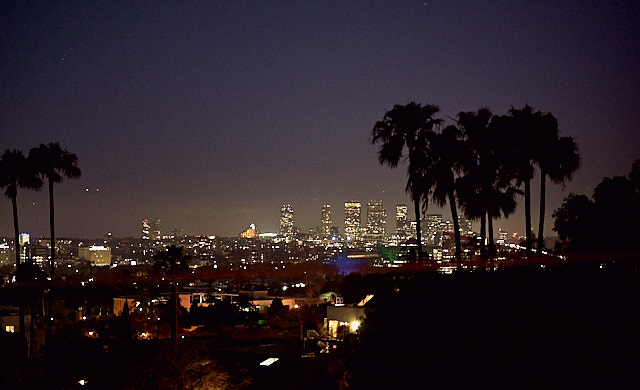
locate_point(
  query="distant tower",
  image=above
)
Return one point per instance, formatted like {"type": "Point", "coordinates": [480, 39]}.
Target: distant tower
{"type": "Point", "coordinates": [376, 220]}
{"type": "Point", "coordinates": [403, 228]}
{"type": "Point", "coordinates": [145, 229]}
{"type": "Point", "coordinates": [434, 228]}
{"type": "Point", "coordinates": [352, 220]}
{"type": "Point", "coordinates": [326, 221]}
{"type": "Point", "coordinates": [156, 230]}
{"type": "Point", "coordinates": [465, 225]}
{"type": "Point", "coordinates": [286, 220]}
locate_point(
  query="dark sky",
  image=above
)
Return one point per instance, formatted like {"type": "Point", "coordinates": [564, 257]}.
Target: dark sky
{"type": "Point", "coordinates": [211, 114]}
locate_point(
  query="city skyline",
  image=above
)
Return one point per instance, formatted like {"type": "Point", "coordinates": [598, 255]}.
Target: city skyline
{"type": "Point", "coordinates": [210, 116]}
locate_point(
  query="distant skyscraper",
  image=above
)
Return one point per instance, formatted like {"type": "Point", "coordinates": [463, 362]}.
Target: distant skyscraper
{"type": "Point", "coordinates": [156, 230]}
{"type": "Point", "coordinates": [145, 229]}
{"type": "Point", "coordinates": [286, 220]}
{"type": "Point", "coordinates": [465, 225]}
{"type": "Point", "coordinates": [326, 221]}
{"type": "Point", "coordinates": [403, 227]}
{"type": "Point", "coordinates": [352, 220]}
{"type": "Point", "coordinates": [433, 229]}
{"type": "Point", "coordinates": [376, 220]}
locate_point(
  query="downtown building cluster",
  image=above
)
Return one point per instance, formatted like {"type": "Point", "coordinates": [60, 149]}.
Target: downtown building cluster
{"type": "Point", "coordinates": [373, 231]}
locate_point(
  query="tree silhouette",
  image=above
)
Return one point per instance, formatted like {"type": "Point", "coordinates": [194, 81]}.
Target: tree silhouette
{"type": "Point", "coordinates": [16, 171]}
{"type": "Point", "coordinates": [559, 159]}
{"type": "Point", "coordinates": [607, 223]}
{"type": "Point", "coordinates": [171, 262]}
{"type": "Point", "coordinates": [485, 189]}
{"type": "Point", "coordinates": [519, 135]}
{"type": "Point", "coordinates": [406, 127]}
{"type": "Point", "coordinates": [53, 163]}
{"type": "Point", "coordinates": [442, 160]}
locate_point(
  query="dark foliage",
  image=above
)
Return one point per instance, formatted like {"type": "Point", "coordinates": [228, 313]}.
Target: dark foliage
{"type": "Point", "coordinates": [607, 223]}
{"type": "Point", "coordinates": [517, 328]}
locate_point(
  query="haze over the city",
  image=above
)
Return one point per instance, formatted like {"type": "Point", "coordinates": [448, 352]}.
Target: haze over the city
{"type": "Point", "coordinates": [210, 116]}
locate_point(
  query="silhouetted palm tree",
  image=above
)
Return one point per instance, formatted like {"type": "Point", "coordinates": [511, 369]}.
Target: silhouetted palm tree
{"type": "Point", "coordinates": [519, 136]}
{"type": "Point", "coordinates": [54, 163]}
{"type": "Point", "coordinates": [406, 127]}
{"type": "Point", "coordinates": [485, 189]}
{"type": "Point", "coordinates": [559, 159]}
{"type": "Point", "coordinates": [479, 166]}
{"type": "Point", "coordinates": [437, 171]}
{"type": "Point", "coordinates": [16, 171]}
{"type": "Point", "coordinates": [171, 262]}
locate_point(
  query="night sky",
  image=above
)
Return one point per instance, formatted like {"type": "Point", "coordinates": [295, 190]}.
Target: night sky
{"type": "Point", "coordinates": [209, 115]}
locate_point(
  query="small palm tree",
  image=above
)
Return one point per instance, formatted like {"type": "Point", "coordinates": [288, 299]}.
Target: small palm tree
{"type": "Point", "coordinates": [405, 127]}
{"type": "Point", "coordinates": [16, 171]}
{"type": "Point", "coordinates": [53, 163]}
{"type": "Point", "coordinates": [171, 262]}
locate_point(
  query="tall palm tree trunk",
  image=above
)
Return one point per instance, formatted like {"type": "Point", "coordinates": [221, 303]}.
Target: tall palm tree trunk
{"type": "Point", "coordinates": [174, 312]}
{"type": "Point", "coordinates": [540, 245]}
{"type": "Point", "coordinates": [527, 215]}
{"type": "Point", "coordinates": [483, 236]}
{"type": "Point", "coordinates": [492, 248]}
{"type": "Point", "coordinates": [32, 329]}
{"type": "Point", "coordinates": [53, 231]}
{"type": "Point", "coordinates": [16, 229]}
{"type": "Point", "coordinates": [456, 229]}
{"type": "Point", "coordinates": [416, 204]}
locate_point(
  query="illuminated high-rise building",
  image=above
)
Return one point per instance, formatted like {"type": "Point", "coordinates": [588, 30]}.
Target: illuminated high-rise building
{"type": "Point", "coordinates": [145, 229]}
{"type": "Point", "coordinates": [156, 230]}
{"type": "Point", "coordinates": [403, 227]}
{"type": "Point", "coordinates": [465, 225]}
{"type": "Point", "coordinates": [326, 221]}
{"type": "Point", "coordinates": [352, 220]}
{"type": "Point", "coordinates": [286, 220]}
{"type": "Point", "coordinates": [376, 221]}
{"type": "Point", "coordinates": [24, 241]}
{"type": "Point", "coordinates": [433, 228]}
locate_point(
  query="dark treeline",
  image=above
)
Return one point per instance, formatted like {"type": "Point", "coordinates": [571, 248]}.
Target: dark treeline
{"type": "Point", "coordinates": [607, 224]}
{"type": "Point", "coordinates": [478, 164]}
{"type": "Point", "coordinates": [566, 327]}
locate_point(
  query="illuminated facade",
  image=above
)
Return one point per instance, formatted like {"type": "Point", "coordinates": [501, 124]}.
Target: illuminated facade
{"type": "Point", "coordinates": [433, 228]}
{"type": "Point", "coordinates": [352, 211]}
{"type": "Point", "coordinates": [376, 222]}
{"type": "Point", "coordinates": [326, 221]}
{"type": "Point", "coordinates": [286, 220]}
{"type": "Point", "coordinates": [6, 254]}
{"type": "Point", "coordinates": [96, 254]}
{"type": "Point", "coordinates": [146, 228]}
{"type": "Point", "coordinates": [156, 230]}
{"type": "Point", "coordinates": [24, 241]}
{"type": "Point", "coordinates": [251, 232]}
{"type": "Point", "coordinates": [403, 227]}
{"type": "Point", "coordinates": [465, 225]}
